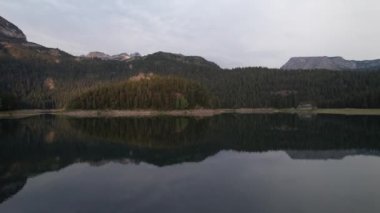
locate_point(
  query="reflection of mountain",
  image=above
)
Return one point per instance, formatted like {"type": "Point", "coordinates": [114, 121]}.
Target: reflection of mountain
{"type": "Point", "coordinates": [328, 154]}
{"type": "Point", "coordinates": [36, 145]}
{"type": "Point", "coordinates": [8, 189]}
{"type": "Point", "coordinates": [245, 132]}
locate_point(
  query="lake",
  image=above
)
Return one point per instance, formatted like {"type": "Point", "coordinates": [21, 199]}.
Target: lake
{"type": "Point", "coordinates": [226, 163]}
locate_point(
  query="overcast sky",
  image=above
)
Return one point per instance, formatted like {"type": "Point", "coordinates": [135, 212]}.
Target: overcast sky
{"type": "Point", "coordinates": [230, 32]}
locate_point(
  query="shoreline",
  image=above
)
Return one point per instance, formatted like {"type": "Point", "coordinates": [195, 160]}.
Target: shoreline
{"type": "Point", "coordinates": [129, 113]}
{"type": "Point", "coordinates": [18, 114]}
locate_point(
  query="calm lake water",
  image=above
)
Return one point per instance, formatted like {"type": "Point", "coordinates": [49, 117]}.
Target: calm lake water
{"type": "Point", "coordinates": [228, 163]}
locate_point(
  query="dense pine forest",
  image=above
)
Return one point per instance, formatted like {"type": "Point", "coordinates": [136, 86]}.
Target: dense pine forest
{"type": "Point", "coordinates": [34, 82]}
{"type": "Point", "coordinates": [145, 92]}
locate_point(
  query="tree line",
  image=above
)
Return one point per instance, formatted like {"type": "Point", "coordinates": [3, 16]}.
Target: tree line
{"type": "Point", "coordinates": [25, 81]}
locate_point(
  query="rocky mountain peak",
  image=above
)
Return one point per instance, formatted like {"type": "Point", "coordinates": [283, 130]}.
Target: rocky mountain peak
{"type": "Point", "coordinates": [10, 32]}
{"type": "Point", "coordinates": [99, 55]}
{"type": "Point", "coordinates": [118, 57]}
{"type": "Point", "coordinates": [121, 57]}
{"type": "Point", "coordinates": [329, 63]}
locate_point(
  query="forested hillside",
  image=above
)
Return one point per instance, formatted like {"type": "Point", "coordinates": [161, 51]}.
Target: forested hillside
{"type": "Point", "coordinates": [38, 83]}
{"type": "Point", "coordinates": [145, 92]}
{"type": "Point", "coordinates": [260, 87]}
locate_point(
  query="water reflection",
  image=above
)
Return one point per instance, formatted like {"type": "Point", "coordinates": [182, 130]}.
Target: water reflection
{"type": "Point", "coordinates": [29, 147]}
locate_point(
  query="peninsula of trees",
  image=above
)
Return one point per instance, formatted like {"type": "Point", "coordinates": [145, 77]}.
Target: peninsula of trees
{"type": "Point", "coordinates": [145, 92]}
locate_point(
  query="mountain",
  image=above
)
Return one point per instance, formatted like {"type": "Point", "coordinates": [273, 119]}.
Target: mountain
{"type": "Point", "coordinates": [34, 76]}
{"type": "Point", "coordinates": [329, 63]}
{"type": "Point", "coordinates": [172, 58]}
{"type": "Point", "coordinates": [11, 32]}
{"type": "Point", "coordinates": [13, 43]}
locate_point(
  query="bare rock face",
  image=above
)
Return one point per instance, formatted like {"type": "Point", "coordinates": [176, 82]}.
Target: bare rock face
{"type": "Point", "coordinates": [141, 76]}
{"type": "Point", "coordinates": [309, 63]}
{"type": "Point", "coordinates": [121, 57]}
{"type": "Point", "coordinates": [329, 63]}
{"type": "Point", "coordinates": [10, 32]}
{"type": "Point", "coordinates": [99, 55]}
{"type": "Point", "coordinates": [49, 83]}
{"type": "Point", "coordinates": [118, 57]}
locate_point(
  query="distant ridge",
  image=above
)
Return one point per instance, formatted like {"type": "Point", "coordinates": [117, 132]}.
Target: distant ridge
{"type": "Point", "coordinates": [329, 63]}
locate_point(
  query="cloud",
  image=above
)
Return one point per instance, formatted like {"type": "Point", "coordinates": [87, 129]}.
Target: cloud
{"type": "Point", "coordinates": [230, 32]}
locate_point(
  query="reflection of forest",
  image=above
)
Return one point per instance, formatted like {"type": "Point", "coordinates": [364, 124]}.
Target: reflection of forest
{"type": "Point", "coordinates": [238, 132]}
{"type": "Point", "coordinates": [35, 145]}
